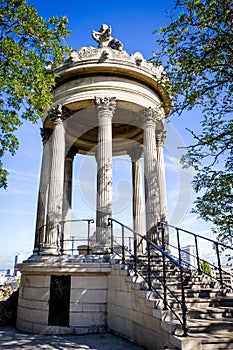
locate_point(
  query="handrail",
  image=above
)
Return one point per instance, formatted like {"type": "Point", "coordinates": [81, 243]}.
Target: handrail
{"type": "Point", "coordinates": [210, 264]}
{"type": "Point", "coordinates": [215, 243]}
{"type": "Point", "coordinates": [195, 234]}
{"type": "Point", "coordinates": [61, 240]}
{"type": "Point", "coordinates": [150, 287]}
{"type": "Point", "coordinates": [153, 244]}
{"type": "Point", "coordinates": [151, 273]}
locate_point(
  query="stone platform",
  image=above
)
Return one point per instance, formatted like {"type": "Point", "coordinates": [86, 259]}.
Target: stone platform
{"type": "Point", "coordinates": [12, 339]}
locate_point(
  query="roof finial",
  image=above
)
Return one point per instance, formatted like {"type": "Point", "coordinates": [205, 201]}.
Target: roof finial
{"type": "Point", "coordinates": [104, 38]}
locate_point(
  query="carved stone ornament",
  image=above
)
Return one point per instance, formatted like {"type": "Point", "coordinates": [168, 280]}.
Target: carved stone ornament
{"type": "Point", "coordinates": [110, 49]}
{"type": "Point", "coordinates": [59, 113]}
{"type": "Point", "coordinates": [151, 115]}
{"type": "Point", "coordinates": [105, 104]}
{"type": "Point", "coordinates": [135, 153]}
{"type": "Point", "coordinates": [104, 38]}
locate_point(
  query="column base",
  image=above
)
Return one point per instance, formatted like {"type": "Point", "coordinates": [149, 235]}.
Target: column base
{"type": "Point", "coordinates": [50, 250]}
{"type": "Point", "coordinates": [101, 248]}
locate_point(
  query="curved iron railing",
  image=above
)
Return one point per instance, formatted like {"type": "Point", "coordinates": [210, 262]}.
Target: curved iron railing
{"type": "Point", "coordinates": [152, 275]}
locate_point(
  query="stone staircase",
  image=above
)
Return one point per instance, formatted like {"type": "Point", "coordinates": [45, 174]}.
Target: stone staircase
{"type": "Point", "coordinates": [209, 310]}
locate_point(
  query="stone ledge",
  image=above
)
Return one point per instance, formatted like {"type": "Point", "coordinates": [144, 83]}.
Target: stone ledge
{"type": "Point", "coordinates": [62, 265]}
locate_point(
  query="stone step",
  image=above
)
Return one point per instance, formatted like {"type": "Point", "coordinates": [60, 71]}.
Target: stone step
{"type": "Point", "coordinates": [222, 301]}
{"type": "Point", "coordinates": [210, 313]}
{"type": "Point", "coordinates": [213, 326]}
{"type": "Point", "coordinates": [222, 341]}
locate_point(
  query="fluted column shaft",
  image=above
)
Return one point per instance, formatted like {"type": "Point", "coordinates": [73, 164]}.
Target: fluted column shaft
{"type": "Point", "coordinates": [55, 199]}
{"type": "Point", "coordinates": [67, 199]}
{"type": "Point", "coordinates": [43, 190]}
{"type": "Point", "coordinates": [160, 138]}
{"type": "Point", "coordinates": [152, 194]}
{"type": "Point", "coordinates": [136, 158]}
{"type": "Point", "coordinates": [105, 108]}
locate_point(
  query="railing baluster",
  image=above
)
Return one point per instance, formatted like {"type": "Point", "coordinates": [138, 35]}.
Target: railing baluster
{"type": "Point", "coordinates": [183, 301]}
{"type": "Point", "coordinates": [197, 256]}
{"type": "Point", "coordinates": [123, 243]}
{"type": "Point", "coordinates": [110, 222]}
{"type": "Point", "coordinates": [219, 264]}
{"type": "Point", "coordinates": [149, 266]}
{"type": "Point", "coordinates": [164, 270]}
{"type": "Point", "coordinates": [178, 244]}
{"type": "Point", "coordinates": [88, 236]}
{"type": "Point", "coordinates": [135, 253]}
{"type": "Point", "coordinates": [62, 237]}
{"type": "Point", "coordinates": [183, 304]}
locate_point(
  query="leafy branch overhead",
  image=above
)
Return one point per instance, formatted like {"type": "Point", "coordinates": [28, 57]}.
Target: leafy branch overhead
{"type": "Point", "coordinates": [28, 43]}
{"type": "Point", "coordinates": [197, 48]}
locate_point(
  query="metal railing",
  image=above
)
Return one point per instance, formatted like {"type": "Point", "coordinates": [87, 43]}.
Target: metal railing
{"type": "Point", "coordinates": [74, 238]}
{"type": "Point", "coordinates": [61, 241]}
{"type": "Point", "coordinates": [217, 246]}
{"type": "Point", "coordinates": [125, 246]}
{"type": "Point", "coordinates": [136, 262]}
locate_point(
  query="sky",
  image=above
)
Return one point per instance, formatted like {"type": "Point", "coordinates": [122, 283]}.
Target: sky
{"type": "Point", "coordinates": [133, 23]}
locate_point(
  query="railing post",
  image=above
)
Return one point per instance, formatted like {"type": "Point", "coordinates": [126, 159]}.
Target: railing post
{"type": "Point", "coordinates": [183, 301]}
{"type": "Point", "coordinates": [88, 236]}
{"type": "Point", "coordinates": [135, 253]}
{"type": "Point", "coordinates": [197, 256]}
{"type": "Point", "coordinates": [178, 244]}
{"type": "Point", "coordinates": [164, 269]}
{"type": "Point", "coordinates": [123, 243]}
{"type": "Point", "coordinates": [62, 237]}
{"type": "Point", "coordinates": [219, 265]}
{"type": "Point", "coordinates": [148, 266]}
{"type": "Point", "coordinates": [183, 305]}
{"type": "Point", "coordinates": [110, 223]}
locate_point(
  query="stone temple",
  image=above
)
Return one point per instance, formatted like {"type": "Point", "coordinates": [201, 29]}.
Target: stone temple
{"type": "Point", "coordinates": [114, 277]}
{"type": "Point", "coordinates": [106, 103]}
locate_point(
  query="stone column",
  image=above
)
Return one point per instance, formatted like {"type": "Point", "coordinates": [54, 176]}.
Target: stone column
{"type": "Point", "coordinates": [160, 138]}
{"type": "Point", "coordinates": [152, 196]}
{"type": "Point", "coordinates": [136, 158]}
{"type": "Point", "coordinates": [43, 190]}
{"type": "Point", "coordinates": [56, 182]}
{"type": "Point", "coordinates": [67, 199]}
{"type": "Point", "coordinates": [105, 108]}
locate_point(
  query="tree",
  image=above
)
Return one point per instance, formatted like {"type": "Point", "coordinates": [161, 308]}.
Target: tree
{"type": "Point", "coordinates": [28, 43]}
{"type": "Point", "coordinates": [197, 47]}
{"type": "Point", "coordinates": [205, 269]}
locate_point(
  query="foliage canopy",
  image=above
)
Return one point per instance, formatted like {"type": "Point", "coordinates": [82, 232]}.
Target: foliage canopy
{"type": "Point", "coordinates": [197, 47]}
{"type": "Point", "coordinates": [28, 43]}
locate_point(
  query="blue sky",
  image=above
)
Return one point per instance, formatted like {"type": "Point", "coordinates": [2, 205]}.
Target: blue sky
{"type": "Point", "coordinates": [133, 23]}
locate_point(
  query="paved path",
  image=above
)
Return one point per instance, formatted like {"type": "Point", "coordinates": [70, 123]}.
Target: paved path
{"type": "Point", "coordinates": [11, 339]}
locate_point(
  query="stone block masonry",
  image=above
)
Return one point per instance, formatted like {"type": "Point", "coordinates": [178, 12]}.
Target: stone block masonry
{"type": "Point", "coordinates": [129, 315]}
{"type": "Point", "coordinates": [87, 297]}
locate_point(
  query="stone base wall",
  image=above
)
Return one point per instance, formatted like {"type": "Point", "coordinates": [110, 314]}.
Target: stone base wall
{"type": "Point", "coordinates": [130, 313]}
{"type": "Point", "coordinates": [88, 298]}
{"type": "Point", "coordinates": [102, 297]}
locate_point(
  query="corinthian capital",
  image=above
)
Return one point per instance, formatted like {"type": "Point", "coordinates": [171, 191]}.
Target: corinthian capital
{"type": "Point", "coordinates": [160, 138]}
{"type": "Point", "coordinates": [151, 116]}
{"type": "Point", "coordinates": [135, 153]}
{"type": "Point", "coordinates": [59, 113]}
{"type": "Point", "coordinates": [105, 104]}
